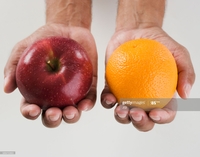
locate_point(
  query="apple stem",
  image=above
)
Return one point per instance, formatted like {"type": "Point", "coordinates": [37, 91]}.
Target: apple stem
{"type": "Point", "coordinates": [50, 65]}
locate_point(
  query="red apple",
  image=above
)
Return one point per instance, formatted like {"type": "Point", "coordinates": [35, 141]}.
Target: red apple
{"type": "Point", "coordinates": [54, 72]}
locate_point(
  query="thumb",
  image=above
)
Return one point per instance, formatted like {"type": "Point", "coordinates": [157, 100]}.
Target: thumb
{"type": "Point", "coordinates": [10, 68]}
{"type": "Point", "coordinates": [186, 74]}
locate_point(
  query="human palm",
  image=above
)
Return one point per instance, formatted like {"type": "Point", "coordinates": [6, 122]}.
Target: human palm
{"type": "Point", "coordinates": [53, 116]}
{"type": "Point", "coordinates": [140, 119]}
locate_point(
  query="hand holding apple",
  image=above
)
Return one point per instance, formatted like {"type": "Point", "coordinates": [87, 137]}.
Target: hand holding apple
{"type": "Point", "coordinates": [53, 116]}
{"type": "Point", "coordinates": [54, 72]}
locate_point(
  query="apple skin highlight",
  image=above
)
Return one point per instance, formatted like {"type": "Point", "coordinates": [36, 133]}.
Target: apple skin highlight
{"type": "Point", "coordinates": [54, 72]}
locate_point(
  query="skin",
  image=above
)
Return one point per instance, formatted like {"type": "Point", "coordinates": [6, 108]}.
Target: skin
{"type": "Point", "coordinates": [143, 19]}
{"type": "Point", "coordinates": [67, 18]}
{"type": "Point", "coordinates": [135, 19]}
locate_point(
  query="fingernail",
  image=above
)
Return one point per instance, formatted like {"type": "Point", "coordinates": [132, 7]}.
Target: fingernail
{"type": "Point", "coordinates": [70, 116]}
{"type": "Point", "coordinates": [155, 118]}
{"type": "Point", "coordinates": [54, 118]}
{"type": "Point", "coordinates": [5, 80]}
{"type": "Point", "coordinates": [86, 109]}
{"type": "Point", "coordinates": [123, 111]}
{"type": "Point", "coordinates": [135, 115]}
{"type": "Point", "coordinates": [108, 102]}
{"type": "Point", "coordinates": [121, 115]}
{"type": "Point", "coordinates": [187, 89]}
{"type": "Point", "coordinates": [33, 113]}
{"type": "Point", "coordinates": [5, 83]}
{"type": "Point", "coordinates": [137, 118]}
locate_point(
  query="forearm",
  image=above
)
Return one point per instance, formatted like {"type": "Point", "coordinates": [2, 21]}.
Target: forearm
{"type": "Point", "coordinates": [139, 14]}
{"type": "Point", "coordinates": [69, 12]}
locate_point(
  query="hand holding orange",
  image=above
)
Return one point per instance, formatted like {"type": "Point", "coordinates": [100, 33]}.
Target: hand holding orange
{"type": "Point", "coordinates": [142, 69]}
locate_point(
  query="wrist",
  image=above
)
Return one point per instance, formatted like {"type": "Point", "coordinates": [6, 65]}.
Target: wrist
{"type": "Point", "coordinates": [69, 12]}
{"type": "Point", "coordinates": [133, 14]}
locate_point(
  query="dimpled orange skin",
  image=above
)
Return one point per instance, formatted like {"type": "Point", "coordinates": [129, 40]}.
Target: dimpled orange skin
{"type": "Point", "coordinates": [142, 68]}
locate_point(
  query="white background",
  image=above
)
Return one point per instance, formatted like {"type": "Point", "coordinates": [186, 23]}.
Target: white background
{"type": "Point", "coordinates": [97, 134]}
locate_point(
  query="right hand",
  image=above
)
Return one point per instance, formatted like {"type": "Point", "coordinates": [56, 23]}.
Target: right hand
{"type": "Point", "coordinates": [52, 117]}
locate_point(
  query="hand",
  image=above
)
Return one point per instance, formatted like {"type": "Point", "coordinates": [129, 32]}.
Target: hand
{"type": "Point", "coordinates": [53, 116]}
{"type": "Point", "coordinates": [140, 119]}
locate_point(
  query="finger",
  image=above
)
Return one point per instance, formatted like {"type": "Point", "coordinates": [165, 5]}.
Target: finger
{"type": "Point", "coordinates": [108, 100]}
{"type": "Point", "coordinates": [71, 114]}
{"type": "Point", "coordinates": [29, 111]}
{"type": "Point", "coordinates": [9, 82]}
{"type": "Point", "coordinates": [10, 68]}
{"type": "Point", "coordinates": [186, 74]}
{"type": "Point", "coordinates": [140, 120]}
{"type": "Point", "coordinates": [89, 101]}
{"type": "Point", "coordinates": [166, 114]}
{"type": "Point", "coordinates": [122, 114]}
{"type": "Point", "coordinates": [52, 117]}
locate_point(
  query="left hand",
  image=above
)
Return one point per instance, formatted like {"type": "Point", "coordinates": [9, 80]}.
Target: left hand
{"type": "Point", "coordinates": [142, 120]}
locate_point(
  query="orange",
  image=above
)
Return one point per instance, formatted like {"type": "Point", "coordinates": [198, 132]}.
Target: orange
{"type": "Point", "coordinates": [142, 73]}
